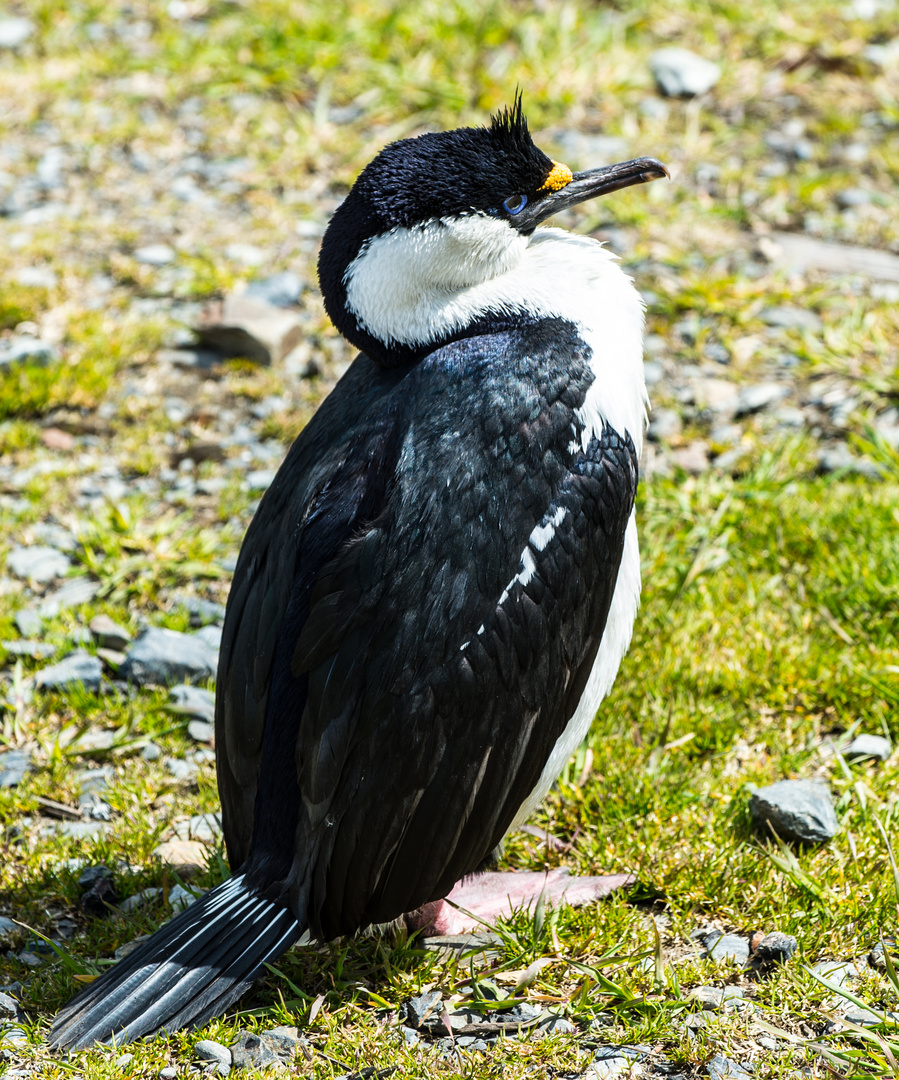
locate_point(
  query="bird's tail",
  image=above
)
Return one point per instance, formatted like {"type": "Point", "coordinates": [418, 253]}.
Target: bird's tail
{"type": "Point", "coordinates": [190, 970]}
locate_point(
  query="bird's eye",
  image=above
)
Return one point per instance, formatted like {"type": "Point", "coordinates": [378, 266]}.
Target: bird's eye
{"type": "Point", "coordinates": [515, 204]}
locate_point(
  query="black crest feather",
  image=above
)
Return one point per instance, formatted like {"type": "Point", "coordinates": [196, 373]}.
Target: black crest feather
{"type": "Point", "coordinates": [511, 127]}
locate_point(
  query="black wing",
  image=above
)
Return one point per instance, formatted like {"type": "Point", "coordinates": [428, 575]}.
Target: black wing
{"type": "Point", "coordinates": [313, 505]}
{"type": "Point", "coordinates": [437, 657]}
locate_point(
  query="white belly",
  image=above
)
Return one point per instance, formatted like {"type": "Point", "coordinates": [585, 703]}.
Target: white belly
{"type": "Point", "coordinates": [615, 640]}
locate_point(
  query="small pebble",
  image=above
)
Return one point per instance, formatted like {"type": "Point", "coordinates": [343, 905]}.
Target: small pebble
{"type": "Point", "coordinates": [155, 254]}
{"type": "Point", "coordinates": [38, 563]}
{"type": "Point", "coordinates": [78, 668]}
{"type": "Point", "coordinates": [727, 947]}
{"type": "Point", "coordinates": [774, 950]}
{"type": "Point", "coordinates": [15, 32]}
{"type": "Point", "coordinates": [681, 73]}
{"type": "Point", "coordinates": [863, 747]}
{"type": "Point", "coordinates": [722, 1068]}
{"type": "Point", "coordinates": [109, 634]}
{"type": "Point", "coordinates": [207, 1050]}
{"type": "Point", "coordinates": [800, 810]}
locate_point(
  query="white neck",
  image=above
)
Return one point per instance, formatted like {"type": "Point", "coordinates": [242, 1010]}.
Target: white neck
{"type": "Point", "coordinates": [421, 285]}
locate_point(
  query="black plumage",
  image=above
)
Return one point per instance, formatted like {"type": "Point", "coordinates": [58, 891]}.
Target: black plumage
{"type": "Point", "coordinates": [400, 655]}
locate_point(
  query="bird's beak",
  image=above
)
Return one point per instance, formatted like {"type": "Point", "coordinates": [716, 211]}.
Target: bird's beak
{"type": "Point", "coordinates": [590, 185]}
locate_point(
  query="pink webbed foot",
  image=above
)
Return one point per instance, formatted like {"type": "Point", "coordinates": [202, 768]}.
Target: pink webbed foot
{"type": "Point", "coordinates": [479, 901]}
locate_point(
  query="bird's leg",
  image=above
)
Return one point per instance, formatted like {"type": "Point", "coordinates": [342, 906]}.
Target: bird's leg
{"type": "Point", "coordinates": [476, 902]}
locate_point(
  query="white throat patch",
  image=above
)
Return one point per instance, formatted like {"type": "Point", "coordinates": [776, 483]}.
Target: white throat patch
{"type": "Point", "coordinates": [421, 285]}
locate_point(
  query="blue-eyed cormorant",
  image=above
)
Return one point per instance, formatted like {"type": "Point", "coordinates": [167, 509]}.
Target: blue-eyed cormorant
{"type": "Point", "coordinates": [437, 589]}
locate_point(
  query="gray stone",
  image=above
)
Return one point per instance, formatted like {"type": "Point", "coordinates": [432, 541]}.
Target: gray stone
{"type": "Point", "coordinates": [835, 971]}
{"type": "Point", "coordinates": [155, 255]}
{"type": "Point", "coordinates": [753, 399]}
{"type": "Point", "coordinates": [868, 746]}
{"type": "Point", "coordinates": [839, 458]}
{"type": "Point", "coordinates": [90, 781]}
{"type": "Point", "coordinates": [181, 898]}
{"type": "Point", "coordinates": [280, 290]}
{"type": "Point", "coordinates": [795, 252]}
{"type": "Point", "coordinates": [140, 899]}
{"type": "Point", "coordinates": [247, 326]}
{"type": "Point", "coordinates": [15, 32]}
{"type": "Point", "coordinates": [14, 764]}
{"type": "Point", "coordinates": [652, 372]}
{"type": "Point", "coordinates": [37, 277]}
{"type": "Point", "coordinates": [525, 1013]}
{"type": "Point", "coordinates": [259, 479]}
{"type": "Point", "coordinates": [193, 701]}
{"type": "Point", "coordinates": [82, 830]}
{"type": "Point", "coordinates": [183, 771]}
{"type": "Point", "coordinates": [29, 622]}
{"type": "Point", "coordinates": [201, 731]}
{"type": "Point", "coordinates": [7, 927]}
{"type": "Point", "coordinates": [608, 1063]}
{"type": "Point", "coordinates": [774, 950]}
{"type": "Point", "coordinates": [207, 1050]}
{"type": "Point", "coordinates": [123, 1061]}
{"type": "Point", "coordinates": [201, 611]}
{"type": "Point", "coordinates": [876, 956]}
{"type": "Point", "coordinates": [75, 591]}
{"type": "Point", "coordinates": [790, 317]}
{"type": "Point", "coordinates": [555, 1025]}
{"type": "Point", "coordinates": [39, 650]}
{"type": "Point", "coordinates": [693, 459]}
{"type": "Point", "coordinates": [722, 1068]}
{"type": "Point", "coordinates": [887, 424]}
{"type": "Point", "coordinates": [189, 358]}
{"type": "Point", "coordinates": [161, 657]}
{"type": "Point", "coordinates": [245, 254]}
{"type": "Point", "coordinates": [9, 1008]}
{"type": "Point", "coordinates": [800, 810]}
{"type": "Point", "coordinates": [418, 1010]}
{"type": "Point", "coordinates": [38, 563]}
{"type": "Point", "coordinates": [211, 636]}
{"type": "Point", "coordinates": [727, 947]}
{"type": "Point", "coordinates": [47, 532]}
{"type": "Point", "coordinates": [26, 350]}
{"type": "Point", "coordinates": [666, 423]}
{"type": "Point", "coordinates": [789, 142]}
{"type": "Point", "coordinates": [681, 73]}
{"type": "Point", "coordinates": [278, 1046]}
{"type": "Point", "coordinates": [855, 1014]}
{"type": "Point", "coordinates": [91, 874]}
{"type": "Point", "coordinates": [850, 198]}
{"type": "Point", "coordinates": [709, 997]}
{"type": "Point", "coordinates": [715, 351]}
{"type": "Point", "coordinates": [108, 633]}
{"type": "Point", "coordinates": [78, 668]}
{"type": "Point", "coordinates": [733, 997]}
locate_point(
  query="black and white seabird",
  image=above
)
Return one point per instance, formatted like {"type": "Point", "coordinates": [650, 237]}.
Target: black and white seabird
{"type": "Point", "coordinates": [436, 591]}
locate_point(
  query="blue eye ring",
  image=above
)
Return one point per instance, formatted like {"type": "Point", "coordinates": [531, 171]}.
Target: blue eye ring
{"type": "Point", "coordinates": [515, 204]}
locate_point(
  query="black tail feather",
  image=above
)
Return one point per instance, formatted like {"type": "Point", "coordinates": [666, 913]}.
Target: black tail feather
{"type": "Point", "coordinates": [190, 970]}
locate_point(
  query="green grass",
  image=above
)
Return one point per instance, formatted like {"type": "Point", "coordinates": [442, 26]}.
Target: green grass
{"type": "Point", "coordinates": [769, 624]}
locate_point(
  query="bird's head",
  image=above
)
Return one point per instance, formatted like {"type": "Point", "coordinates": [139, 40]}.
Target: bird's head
{"type": "Point", "coordinates": [442, 212]}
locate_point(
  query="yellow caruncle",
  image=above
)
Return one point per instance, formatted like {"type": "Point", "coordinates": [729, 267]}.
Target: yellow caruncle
{"type": "Point", "coordinates": [559, 176]}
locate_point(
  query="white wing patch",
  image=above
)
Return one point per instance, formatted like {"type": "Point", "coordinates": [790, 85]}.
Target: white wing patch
{"type": "Point", "coordinates": [546, 530]}
{"type": "Point", "coordinates": [540, 536]}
